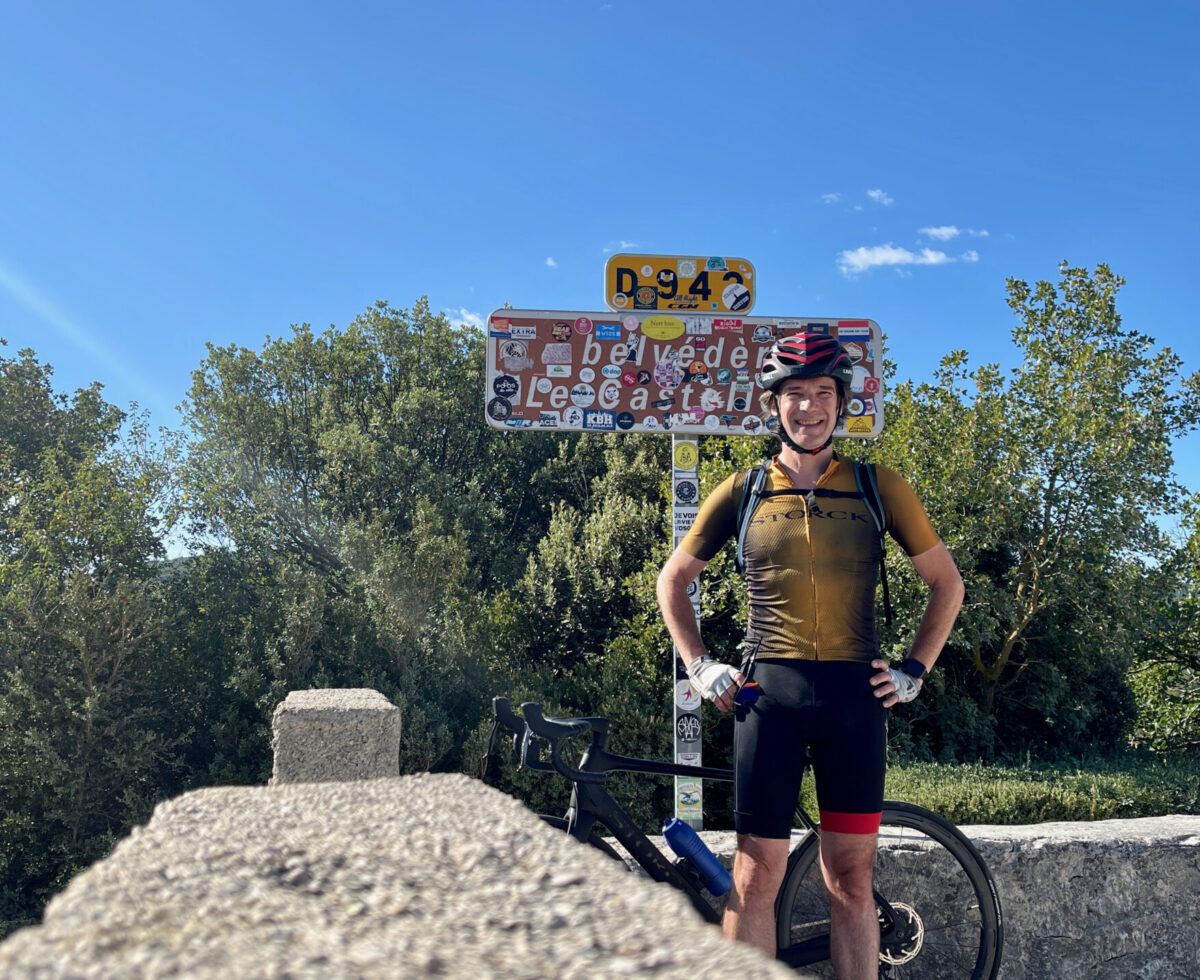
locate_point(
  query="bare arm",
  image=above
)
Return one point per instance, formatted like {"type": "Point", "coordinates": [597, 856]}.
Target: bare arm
{"type": "Point", "coordinates": [937, 569]}
{"type": "Point", "coordinates": [680, 569]}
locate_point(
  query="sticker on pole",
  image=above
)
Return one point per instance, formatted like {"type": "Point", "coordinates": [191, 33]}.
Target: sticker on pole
{"type": "Point", "coordinates": [687, 698]}
{"type": "Point", "coordinates": [686, 456]}
{"type": "Point", "coordinates": [684, 518]}
{"type": "Point", "coordinates": [689, 796]}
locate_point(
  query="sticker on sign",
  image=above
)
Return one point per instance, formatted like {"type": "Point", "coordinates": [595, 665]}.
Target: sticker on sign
{"type": "Point", "coordinates": [690, 374]}
{"type": "Point", "coordinates": [686, 283]}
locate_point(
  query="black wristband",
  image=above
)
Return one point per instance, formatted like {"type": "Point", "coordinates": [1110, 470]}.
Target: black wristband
{"type": "Point", "coordinates": [913, 667]}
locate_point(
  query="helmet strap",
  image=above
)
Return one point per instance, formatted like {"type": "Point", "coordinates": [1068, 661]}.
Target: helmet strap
{"type": "Point", "coordinates": [795, 446]}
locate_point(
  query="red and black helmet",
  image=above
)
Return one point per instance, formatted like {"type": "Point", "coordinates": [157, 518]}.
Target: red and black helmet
{"type": "Point", "coordinates": [806, 355]}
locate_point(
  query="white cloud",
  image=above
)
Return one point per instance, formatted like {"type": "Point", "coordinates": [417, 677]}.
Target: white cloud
{"type": "Point", "coordinates": [856, 260]}
{"type": "Point", "coordinates": [550, 262]}
{"type": "Point", "coordinates": [879, 197]}
{"type": "Point", "coordinates": [943, 233]}
{"type": "Point", "coordinates": [464, 317]}
{"type": "Point", "coordinates": [620, 246]}
{"type": "Point", "coordinates": [978, 232]}
{"type": "Point", "coordinates": [831, 198]}
{"type": "Point", "coordinates": [970, 255]}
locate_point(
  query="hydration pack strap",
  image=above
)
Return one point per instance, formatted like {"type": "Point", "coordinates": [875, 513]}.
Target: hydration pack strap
{"type": "Point", "coordinates": [868, 488]}
{"type": "Point", "coordinates": [752, 492]}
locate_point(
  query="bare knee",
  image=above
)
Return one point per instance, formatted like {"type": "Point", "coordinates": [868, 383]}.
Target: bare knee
{"type": "Point", "coordinates": [848, 865]}
{"type": "Point", "coordinates": [850, 885]}
{"type": "Point", "coordinates": [758, 869]}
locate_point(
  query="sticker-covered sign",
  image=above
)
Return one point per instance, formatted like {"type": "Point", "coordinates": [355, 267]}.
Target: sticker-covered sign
{"type": "Point", "coordinates": [646, 371]}
{"type": "Point", "coordinates": [699, 283]}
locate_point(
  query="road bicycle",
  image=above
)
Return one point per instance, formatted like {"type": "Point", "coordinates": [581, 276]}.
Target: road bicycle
{"type": "Point", "coordinates": [939, 912]}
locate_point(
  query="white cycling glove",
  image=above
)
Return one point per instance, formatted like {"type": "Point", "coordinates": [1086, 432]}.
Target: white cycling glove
{"type": "Point", "coordinates": [907, 686]}
{"type": "Point", "coordinates": [712, 678]}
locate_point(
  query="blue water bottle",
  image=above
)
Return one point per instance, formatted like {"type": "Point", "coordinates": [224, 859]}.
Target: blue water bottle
{"type": "Point", "coordinates": [687, 844]}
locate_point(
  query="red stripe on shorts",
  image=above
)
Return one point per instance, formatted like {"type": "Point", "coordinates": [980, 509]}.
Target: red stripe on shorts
{"type": "Point", "coordinates": [850, 823]}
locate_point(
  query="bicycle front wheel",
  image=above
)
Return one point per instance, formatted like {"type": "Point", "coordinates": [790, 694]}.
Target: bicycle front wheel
{"type": "Point", "coordinates": [939, 910]}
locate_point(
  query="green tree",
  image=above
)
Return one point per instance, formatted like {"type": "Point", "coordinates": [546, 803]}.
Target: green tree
{"type": "Point", "coordinates": [85, 745]}
{"type": "Point", "coordinates": [1166, 671]}
{"type": "Point", "coordinates": [356, 468]}
{"type": "Point", "coordinates": [580, 630]}
{"type": "Point", "coordinates": [1045, 484]}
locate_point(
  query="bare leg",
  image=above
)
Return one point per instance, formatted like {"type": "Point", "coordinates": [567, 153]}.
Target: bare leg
{"type": "Point", "coordinates": [758, 869]}
{"type": "Point", "coordinates": [848, 864]}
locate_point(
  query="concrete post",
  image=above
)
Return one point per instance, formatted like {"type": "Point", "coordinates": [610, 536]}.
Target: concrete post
{"type": "Point", "coordinates": [335, 736]}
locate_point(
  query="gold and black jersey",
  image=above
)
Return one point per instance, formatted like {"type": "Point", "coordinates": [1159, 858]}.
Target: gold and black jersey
{"type": "Point", "coordinates": [812, 559]}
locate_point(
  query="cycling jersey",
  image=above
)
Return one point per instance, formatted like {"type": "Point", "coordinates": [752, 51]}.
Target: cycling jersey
{"type": "Point", "coordinates": [812, 561]}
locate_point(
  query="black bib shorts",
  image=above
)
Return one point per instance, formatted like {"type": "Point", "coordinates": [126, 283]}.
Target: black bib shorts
{"type": "Point", "coordinates": [828, 710]}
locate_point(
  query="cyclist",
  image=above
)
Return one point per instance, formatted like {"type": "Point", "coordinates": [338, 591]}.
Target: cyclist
{"type": "Point", "coordinates": [812, 558]}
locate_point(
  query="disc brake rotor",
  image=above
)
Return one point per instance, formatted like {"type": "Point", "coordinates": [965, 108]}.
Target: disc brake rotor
{"type": "Point", "coordinates": [908, 924]}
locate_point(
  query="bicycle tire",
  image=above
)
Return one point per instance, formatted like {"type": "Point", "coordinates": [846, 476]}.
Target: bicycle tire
{"type": "Point", "coordinates": [950, 923]}
{"type": "Point", "coordinates": [598, 842]}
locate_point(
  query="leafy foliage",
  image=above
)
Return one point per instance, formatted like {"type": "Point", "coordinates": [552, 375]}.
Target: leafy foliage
{"type": "Point", "coordinates": [1120, 786]}
{"type": "Point", "coordinates": [1166, 672]}
{"type": "Point", "coordinates": [352, 467]}
{"type": "Point", "coordinates": [1045, 485]}
{"type": "Point", "coordinates": [354, 523]}
{"type": "Point", "coordinates": [87, 739]}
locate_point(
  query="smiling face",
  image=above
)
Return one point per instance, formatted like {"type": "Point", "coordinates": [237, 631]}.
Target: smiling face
{"type": "Point", "coordinates": [808, 407]}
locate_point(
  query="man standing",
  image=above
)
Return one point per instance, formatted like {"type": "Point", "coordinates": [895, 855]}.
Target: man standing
{"type": "Point", "coordinates": [812, 558]}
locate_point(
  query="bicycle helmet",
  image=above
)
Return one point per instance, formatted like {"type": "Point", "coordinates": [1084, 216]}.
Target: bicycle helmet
{"type": "Point", "coordinates": [806, 355]}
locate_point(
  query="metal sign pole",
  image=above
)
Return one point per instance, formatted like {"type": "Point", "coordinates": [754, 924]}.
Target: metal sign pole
{"type": "Point", "coordinates": [689, 793]}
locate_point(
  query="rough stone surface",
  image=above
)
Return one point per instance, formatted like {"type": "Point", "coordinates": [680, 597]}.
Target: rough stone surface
{"type": "Point", "coordinates": [1107, 899]}
{"type": "Point", "coordinates": [442, 875]}
{"type": "Point", "coordinates": [1103, 900]}
{"type": "Point", "coordinates": [409, 876]}
{"type": "Point", "coordinates": [333, 735]}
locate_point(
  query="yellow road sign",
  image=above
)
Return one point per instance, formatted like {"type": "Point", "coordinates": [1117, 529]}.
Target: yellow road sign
{"type": "Point", "coordinates": [687, 283]}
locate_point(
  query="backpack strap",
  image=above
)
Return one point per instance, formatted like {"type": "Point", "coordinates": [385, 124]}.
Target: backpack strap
{"type": "Point", "coordinates": [753, 486]}
{"type": "Point", "coordinates": [868, 486]}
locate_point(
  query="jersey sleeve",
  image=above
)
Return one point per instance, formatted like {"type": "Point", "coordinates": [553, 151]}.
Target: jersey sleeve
{"type": "Point", "coordinates": [907, 521]}
{"type": "Point", "coordinates": [716, 522]}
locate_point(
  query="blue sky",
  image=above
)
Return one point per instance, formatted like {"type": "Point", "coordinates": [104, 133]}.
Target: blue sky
{"type": "Point", "coordinates": [176, 173]}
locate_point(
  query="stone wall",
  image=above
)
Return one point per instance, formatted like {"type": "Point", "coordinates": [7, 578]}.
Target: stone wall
{"type": "Point", "coordinates": [441, 874]}
{"type": "Point", "coordinates": [1105, 900]}
{"type": "Point", "coordinates": [325, 874]}
{"type": "Point", "coordinates": [1109, 899]}
{"type": "Point", "coordinates": [403, 877]}
{"type": "Point", "coordinates": [333, 735]}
